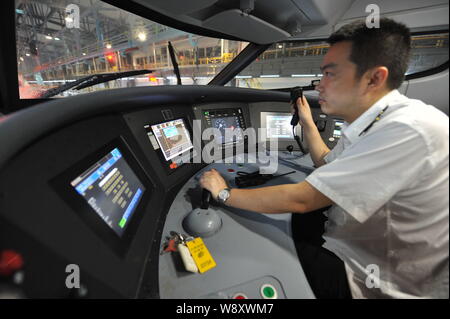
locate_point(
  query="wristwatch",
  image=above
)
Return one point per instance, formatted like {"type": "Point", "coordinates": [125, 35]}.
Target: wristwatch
{"type": "Point", "coordinates": [223, 195]}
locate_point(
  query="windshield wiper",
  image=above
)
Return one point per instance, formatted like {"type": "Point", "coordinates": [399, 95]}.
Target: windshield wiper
{"type": "Point", "coordinates": [91, 80]}
{"type": "Point", "coordinates": [176, 70]}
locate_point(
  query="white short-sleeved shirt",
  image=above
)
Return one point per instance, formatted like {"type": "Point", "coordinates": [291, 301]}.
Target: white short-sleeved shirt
{"type": "Point", "coordinates": [390, 187]}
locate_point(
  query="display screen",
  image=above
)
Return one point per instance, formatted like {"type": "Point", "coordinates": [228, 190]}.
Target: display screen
{"type": "Point", "coordinates": [279, 126]}
{"type": "Point", "coordinates": [172, 137]}
{"type": "Point", "coordinates": [229, 122]}
{"type": "Point", "coordinates": [112, 189]}
{"type": "Point", "coordinates": [337, 128]}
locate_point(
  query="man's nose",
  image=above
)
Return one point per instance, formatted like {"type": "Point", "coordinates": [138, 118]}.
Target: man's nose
{"type": "Point", "coordinates": [318, 86]}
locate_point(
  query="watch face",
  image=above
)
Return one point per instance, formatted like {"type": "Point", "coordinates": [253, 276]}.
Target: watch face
{"type": "Point", "coordinates": [223, 195]}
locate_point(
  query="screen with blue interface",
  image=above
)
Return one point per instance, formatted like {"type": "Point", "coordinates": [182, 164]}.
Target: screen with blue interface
{"type": "Point", "coordinates": [112, 189]}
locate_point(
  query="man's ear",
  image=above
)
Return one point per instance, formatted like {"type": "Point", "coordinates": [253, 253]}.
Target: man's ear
{"type": "Point", "coordinates": [377, 77]}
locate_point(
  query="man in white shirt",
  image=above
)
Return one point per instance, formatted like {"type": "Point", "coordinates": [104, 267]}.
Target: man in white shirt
{"type": "Point", "coordinates": [386, 179]}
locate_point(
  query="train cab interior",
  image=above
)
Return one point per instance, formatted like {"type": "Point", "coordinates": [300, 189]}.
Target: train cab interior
{"type": "Point", "coordinates": [111, 111]}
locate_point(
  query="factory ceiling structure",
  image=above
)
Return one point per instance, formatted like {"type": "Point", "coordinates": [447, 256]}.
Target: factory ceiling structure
{"type": "Point", "coordinates": [62, 40]}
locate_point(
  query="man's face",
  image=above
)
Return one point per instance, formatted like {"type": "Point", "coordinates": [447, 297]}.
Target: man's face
{"type": "Point", "coordinates": [339, 91]}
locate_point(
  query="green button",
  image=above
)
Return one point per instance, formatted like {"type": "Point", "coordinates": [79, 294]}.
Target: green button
{"type": "Point", "coordinates": [122, 222]}
{"type": "Point", "coordinates": [268, 292]}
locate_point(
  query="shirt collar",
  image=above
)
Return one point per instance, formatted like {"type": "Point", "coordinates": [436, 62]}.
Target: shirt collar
{"type": "Point", "coordinates": [353, 130]}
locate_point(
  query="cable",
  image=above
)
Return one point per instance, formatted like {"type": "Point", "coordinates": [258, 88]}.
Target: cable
{"type": "Point", "coordinates": [297, 139]}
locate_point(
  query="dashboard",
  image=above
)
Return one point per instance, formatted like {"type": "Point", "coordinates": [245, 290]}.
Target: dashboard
{"type": "Point", "coordinates": [99, 182]}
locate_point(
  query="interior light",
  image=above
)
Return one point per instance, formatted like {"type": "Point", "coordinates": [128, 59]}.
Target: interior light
{"type": "Point", "coordinates": [302, 75]}
{"type": "Point", "coordinates": [142, 36]}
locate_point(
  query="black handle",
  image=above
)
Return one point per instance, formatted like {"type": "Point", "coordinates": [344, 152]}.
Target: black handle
{"type": "Point", "coordinates": [206, 197]}
{"type": "Point", "coordinates": [296, 92]}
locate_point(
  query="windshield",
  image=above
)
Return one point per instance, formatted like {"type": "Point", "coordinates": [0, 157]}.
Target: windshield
{"type": "Point", "coordinates": [297, 63]}
{"type": "Point", "coordinates": [59, 42]}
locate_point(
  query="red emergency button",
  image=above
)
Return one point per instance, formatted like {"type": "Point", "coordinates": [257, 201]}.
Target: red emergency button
{"type": "Point", "coordinates": [10, 261]}
{"type": "Point", "coordinates": [230, 170]}
{"type": "Point", "coordinates": [173, 165]}
{"type": "Point", "coordinates": [240, 295]}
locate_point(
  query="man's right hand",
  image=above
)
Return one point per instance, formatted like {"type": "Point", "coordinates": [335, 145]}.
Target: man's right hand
{"type": "Point", "coordinates": [304, 113]}
{"type": "Point", "coordinates": [317, 148]}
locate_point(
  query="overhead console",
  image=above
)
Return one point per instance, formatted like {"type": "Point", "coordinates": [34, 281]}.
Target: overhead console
{"type": "Point", "coordinates": [223, 16]}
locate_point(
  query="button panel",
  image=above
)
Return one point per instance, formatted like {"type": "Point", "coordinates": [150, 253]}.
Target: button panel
{"type": "Point", "coordinates": [267, 287]}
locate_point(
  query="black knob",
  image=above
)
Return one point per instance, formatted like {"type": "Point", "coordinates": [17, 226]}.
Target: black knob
{"type": "Point", "coordinates": [206, 197]}
{"type": "Point", "coordinates": [290, 148]}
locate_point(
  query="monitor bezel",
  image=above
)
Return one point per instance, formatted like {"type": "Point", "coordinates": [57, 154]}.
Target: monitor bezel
{"type": "Point", "coordinates": [227, 144]}
{"type": "Point", "coordinates": [61, 184]}
{"type": "Point", "coordinates": [264, 114]}
{"type": "Point", "coordinates": [190, 138]}
{"type": "Point", "coordinates": [188, 155]}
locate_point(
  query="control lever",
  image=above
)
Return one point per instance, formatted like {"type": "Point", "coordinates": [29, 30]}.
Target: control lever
{"type": "Point", "coordinates": [206, 198]}
{"type": "Point", "coordinates": [290, 148]}
{"type": "Point", "coordinates": [202, 222]}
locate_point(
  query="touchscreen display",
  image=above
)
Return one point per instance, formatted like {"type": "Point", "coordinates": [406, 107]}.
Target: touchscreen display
{"type": "Point", "coordinates": [112, 189]}
{"type": "Point", "coordinates": [279, 126]}
{"type": "Point", "coordinates": [223, 123]}
{"type": "Point", "coordinates": [173, 138]}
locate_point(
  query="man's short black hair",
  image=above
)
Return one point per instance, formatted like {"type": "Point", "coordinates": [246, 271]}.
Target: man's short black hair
{"type": "Point", "coordinates": [389, 46]}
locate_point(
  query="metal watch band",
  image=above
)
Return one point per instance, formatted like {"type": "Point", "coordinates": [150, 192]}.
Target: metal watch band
{"type": "Point", "coordinates": [219, 199]}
